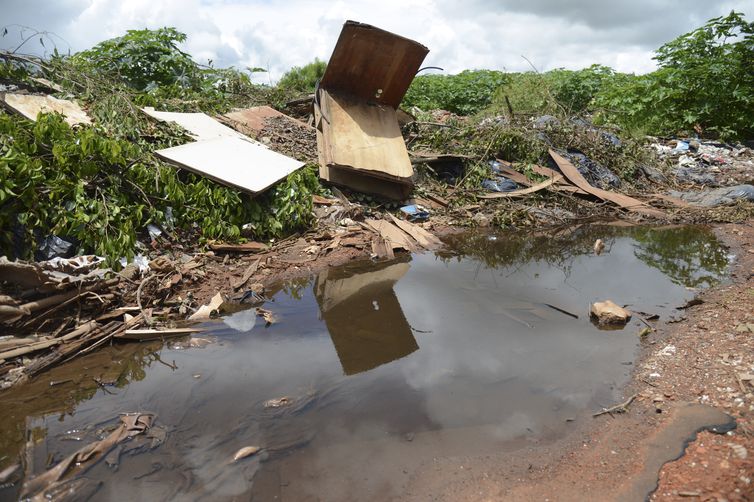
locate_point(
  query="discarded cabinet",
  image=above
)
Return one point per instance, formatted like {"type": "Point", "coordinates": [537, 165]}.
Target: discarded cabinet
{"type": "Point", "coordinates": [358, 136]}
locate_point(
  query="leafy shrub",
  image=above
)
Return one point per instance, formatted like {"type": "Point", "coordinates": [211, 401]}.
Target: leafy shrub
{"type": "Point", "coordinates": [303, 79]}
{"type": "Point", "coordinates": [556, 92]}
{"type": "Point", "coordinates": [102, 191]}
{"type": "Point", "coordinates": [464, 94]}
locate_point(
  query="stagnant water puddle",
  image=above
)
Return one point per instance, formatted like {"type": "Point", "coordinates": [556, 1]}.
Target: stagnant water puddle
{"type": "Point", "coordinates": [382, 367]}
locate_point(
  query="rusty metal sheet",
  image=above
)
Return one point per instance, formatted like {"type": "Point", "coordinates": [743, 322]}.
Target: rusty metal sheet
{"type": "Point", "coordinates": [373, 64]}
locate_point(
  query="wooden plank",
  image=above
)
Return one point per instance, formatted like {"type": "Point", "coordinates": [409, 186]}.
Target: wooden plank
{"type": "Point", "coordinates": [373, 64]}
{"type": "Point", "coordinates": [30, 106]}
{"type": "Point", "coordinates": [247, 247]}
{"type": "Point", "coordinates": [199, 125]}
{"type": "Point", "coordinates": [353, 180]}
{"type": "Point", "coordinates": [425, 239]}
{"type": "Point", "coordinates": [394, 236]}
{"type": "Point", "coordinates": [624, 201]}
{"type": "Point", "coordinates": [364, 138]}
{"type": "Point", "coordinates": [154, 334]}
{"type": "Point", "coordinates": [232, 161]}
{"type": "Point", "coordinates": [522, 192]}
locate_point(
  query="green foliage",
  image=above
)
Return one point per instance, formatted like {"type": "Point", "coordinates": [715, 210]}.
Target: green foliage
{"type": "Point", "coordinates": [144, 59]}
{"type": "Point", "coordinates": [303, 79]}
{"type": "Point", "coordinates": [705, 82]}
{"type": "Point", "coordinates": [556, 92]}
{"type": "Point", "coordinates": [102, 192]}
{"type": "Point", "coordinates": [464, 94]}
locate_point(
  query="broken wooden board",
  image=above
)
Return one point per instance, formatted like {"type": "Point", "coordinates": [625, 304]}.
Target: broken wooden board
{"type": "Point", "coordinates": [425, 239]}
{"type": "Point", "coordinates": [363, 137]}
{"type": "Point", "coordinates": [199, 125]}
{"type": "Point", "coordinates": [247, 247]}
{"type": "Point", "coordinates": [355, 110]}
{"type": "Point", "coordinates": [524, 191]}
{"type": "Point", "coordinates": [352, 179]}
{"type": "Point", "coordinates": [394, 236]}
{"type": "Point", "coordinates": [232, 161]}
{"type": "Point", "coordinates": [30, 106]}
{"type": "Point", "coordinates": [251, 121]}
{"type": "Point", "coordinates": [624, 201]}
{"type": "Point", "coordinates": [372, 64]}
{"type": "Point", "coordinates": [154, 334]}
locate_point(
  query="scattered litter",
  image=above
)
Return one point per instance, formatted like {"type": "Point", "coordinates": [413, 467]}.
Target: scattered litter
{"type": "Point", "coordinates": [718, 196]}
{"type": "Point", "coordinates": [244, 452]}
{"type": "Point", "coordinates": [30, 105]}
{"type": "Point", "coordinates": [599, 246]}
{"type": "Point", "coordinates": [136, 429]}
{"type": "Point", "coordinates": [414, 213]}
{"type": "Point", "coordinates": [608, 313]}
{"type": "Point", "coordinates": [570, 172]}
{"type": "Point", "coordinates": [205, 311]}
{"type": "Point", "coordinates": [155, 334]}
{"type": "Point", "coordinates": [500, 184]}
{"type": "Point", "coordinates": [278, 402]}
{"type": "Point", "coordinates": [247, 247]}
{"type": "Point", "coordinates": [242, 321]}
{"type": "Point", "coordinates": [269, 317]}
{"type": "Point", "coordinates": [667, 351]}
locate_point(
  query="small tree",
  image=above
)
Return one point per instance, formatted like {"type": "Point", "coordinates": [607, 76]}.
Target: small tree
{"type": "Point", "coordinates": [144, 59]}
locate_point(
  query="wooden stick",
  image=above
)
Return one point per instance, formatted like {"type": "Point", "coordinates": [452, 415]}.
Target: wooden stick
{"type": "Point", "coordinates": [618, 408]}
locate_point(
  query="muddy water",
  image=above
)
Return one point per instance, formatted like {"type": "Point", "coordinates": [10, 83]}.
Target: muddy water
{"type": "Point", "coordinates": [484, 347]}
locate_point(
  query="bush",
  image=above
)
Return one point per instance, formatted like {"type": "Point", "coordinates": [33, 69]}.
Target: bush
{"type": "Point", "coordinates": [464, 94]}
{"type": "Point", "coordinates": [303, 79]}
{"type": "Point", "coordinates": [705, 83]}
{"type": "Point", "coordinates": [101, 191]}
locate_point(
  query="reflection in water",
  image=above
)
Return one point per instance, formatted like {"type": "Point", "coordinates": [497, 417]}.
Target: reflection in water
{"type": "Point", "coordinates": [690, 256]}
{"type": "Point", "coordinates": [363, 316]}
{"type": "Point", "coordinates": [498, 368]}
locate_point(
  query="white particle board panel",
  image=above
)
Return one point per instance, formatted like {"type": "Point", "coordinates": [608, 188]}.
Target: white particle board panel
{"type": "Point", "coordinates": [232, 161]}
{"type": "Point", "coordinates": [200, 125]}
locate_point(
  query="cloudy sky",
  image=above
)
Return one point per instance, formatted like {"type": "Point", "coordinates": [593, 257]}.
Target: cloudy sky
{"type": "Point", "coordinates": [279, 34]}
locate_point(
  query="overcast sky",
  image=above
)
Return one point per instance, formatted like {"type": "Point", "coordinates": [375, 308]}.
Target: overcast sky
{"type": "Point", "coordinates": [470, 34]}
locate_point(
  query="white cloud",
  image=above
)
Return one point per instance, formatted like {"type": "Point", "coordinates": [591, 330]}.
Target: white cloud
{"type": "Point", "coordinates": [279, 34]}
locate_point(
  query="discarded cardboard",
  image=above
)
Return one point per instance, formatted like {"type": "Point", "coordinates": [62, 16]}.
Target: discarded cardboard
{"type": "Point", "coordinates": [425, 239]}
{"type": "Point", "coordinates": [624, 201]}
{"type": "Point", "coordinates": [393, 235]}
{"type": "Point", "coordinates": [199, 125]}
{"type": "Point", "coordinates": [358, 136]}
{"type": "Point", "coordinates": [233, 161]}
{"type": "Point", "coordinates": [30, 106]}
{"type": "Point", "coordinates": [251, 121]}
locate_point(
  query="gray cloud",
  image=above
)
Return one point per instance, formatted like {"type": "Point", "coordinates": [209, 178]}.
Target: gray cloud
{"type": "Point", "coordinates": [474, 34]}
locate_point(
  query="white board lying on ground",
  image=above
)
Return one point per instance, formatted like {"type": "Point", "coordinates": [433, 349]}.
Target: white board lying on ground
{"type": "Point", "coordinates": [30, 105]}
{"type": "Point", "coordinates": [199, 125]}
{"type": "Point", "coordinates": [234, 162]}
